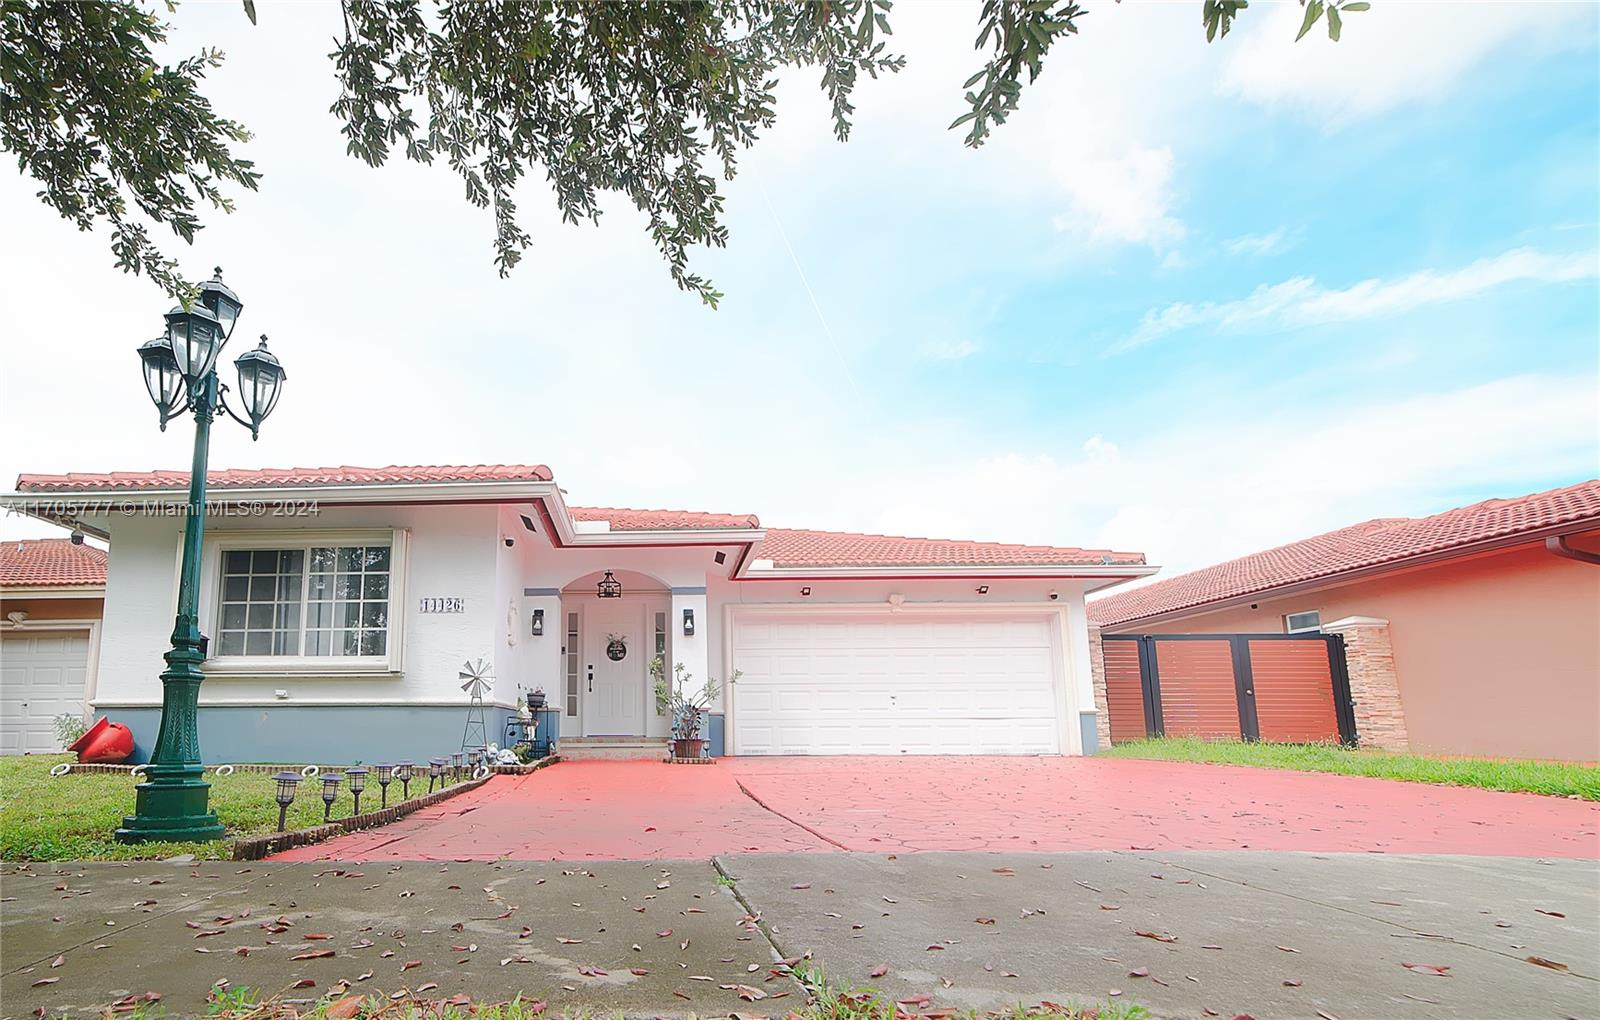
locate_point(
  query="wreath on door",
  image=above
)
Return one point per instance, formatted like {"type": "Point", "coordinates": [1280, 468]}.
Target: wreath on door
{"type": "Point", "coordinates": [616, 647]}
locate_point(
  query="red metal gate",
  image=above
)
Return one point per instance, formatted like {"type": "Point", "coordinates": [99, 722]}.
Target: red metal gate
{"type": "Point", "coordinates": [1290, 688]}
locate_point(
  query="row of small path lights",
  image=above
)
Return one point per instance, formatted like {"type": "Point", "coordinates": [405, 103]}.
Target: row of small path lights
{"type": "Point", "coordinates": [443, 771]}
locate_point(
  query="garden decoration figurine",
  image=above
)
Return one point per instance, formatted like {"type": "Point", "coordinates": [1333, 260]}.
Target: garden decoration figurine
{"type": "Point", "coordinates": [686, 705]}
{"type": "Point", "coordinates": [477, 676]}
{"type": "Point", "coordinates": [385, 776]}
{"type": "Point", "coordinates": [358, 782]}
{"type": "Point", "coordinates": [402, 772]}
{"type": "Point", "coordinates": [330, 793]}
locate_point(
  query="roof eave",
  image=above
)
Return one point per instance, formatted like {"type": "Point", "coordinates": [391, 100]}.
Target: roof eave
{"type": "Point", "coordinates": [1041, 571]}
{"type": "Point", "coordinates": [46, 591]}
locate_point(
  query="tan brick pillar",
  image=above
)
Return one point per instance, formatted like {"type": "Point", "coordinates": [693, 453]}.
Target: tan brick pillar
{"type": "Point", "coordinates": [1097, 669]}
{"type": "Point", "coordinates": [1374, 684]}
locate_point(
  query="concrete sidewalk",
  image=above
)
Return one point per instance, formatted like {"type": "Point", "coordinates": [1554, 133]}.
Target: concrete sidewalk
{"type": "Point", "coordinates": [1264, 934]}
{"type": "Point", "coordinates": [178, 929]}
{"type": "Point", "coordinates": [1064, 928]}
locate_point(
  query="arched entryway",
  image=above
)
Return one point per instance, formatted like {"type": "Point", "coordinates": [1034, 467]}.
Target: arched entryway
{"type": "Point", "coordinates": [609, 643]}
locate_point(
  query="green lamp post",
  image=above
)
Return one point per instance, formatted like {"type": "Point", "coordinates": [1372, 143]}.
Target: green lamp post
{"type": "Point", "coordinates": [180, 373]}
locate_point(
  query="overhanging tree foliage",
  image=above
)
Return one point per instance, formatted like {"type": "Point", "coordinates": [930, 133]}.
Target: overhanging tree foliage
{"type": "Point", "coordinates": [647, 100]}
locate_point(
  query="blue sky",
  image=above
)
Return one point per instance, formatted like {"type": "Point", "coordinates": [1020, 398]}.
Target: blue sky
{"type": "Point", "coordinates": [1192, 300]}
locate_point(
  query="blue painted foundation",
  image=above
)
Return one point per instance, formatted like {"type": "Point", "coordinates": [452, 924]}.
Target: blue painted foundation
{"type": "Point", "coordinates": [329, 734]}
{"type": "Point", "coordinates": [340, 734]}
{"type": "Point", "coordinates": [1089, 731]}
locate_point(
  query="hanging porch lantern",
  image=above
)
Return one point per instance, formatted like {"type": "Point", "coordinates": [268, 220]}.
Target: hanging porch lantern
{"type": "Point", "coordinates": [610, 587]}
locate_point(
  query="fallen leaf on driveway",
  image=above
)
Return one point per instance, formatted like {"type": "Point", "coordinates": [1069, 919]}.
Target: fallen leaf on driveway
{"type": "Point", "coordinates": [1289, 949]}
{"type": "Point", "coordinates": [1437, 970]}
{"type": "Point", "coordinates": [569, 942]}
{"type": "Point", "coordinates": [1139, 972]}
{"type": "Point", "coordinates": [315, 954]}
{"type": "Point", "coordinates": [409, 964]}
{"type": "Point", "coordinates": [801, 885]}
{"type": "Point", "coordinates": [749, 994]}
{"type": "Point", "coordinates": [1537, 961]}
{"type": "Point", "coordinates": [316, 936]}
{"type": "Point", "coordinates": [1161, 936]}
{"type": "Point", "coordinates": [1549, 913]}
{"type": "Point", "coordinates": [591, 972]}
{"type": "Point", "coordinates": [664, 934]}
{"type": "Point", "coordinates": [58, 961]}
{"type": "Point", "coordinates": [1292, 982]}
{"type": "Point", "coordinates": [637, 971]}
{"type": "Point", "coordinates": [1109, 906]}
{"type": "Point", "coordinates": [879, 971]}
{"type": "Point", "coordinates": [984, 920]}
{"type": "Point", "coordinates": [345, 1008]}
{"type": "Point", "coordinates": [304, 983]}
{"type": "Point", "coordinates": [935, 947]}
{"type": "Point", "coordinates": [45, 981]}
{"type": "Point", "coordinates": [1325, 1015]}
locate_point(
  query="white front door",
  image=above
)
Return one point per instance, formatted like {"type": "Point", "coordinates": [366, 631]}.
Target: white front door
{"type": "Point", "coordinates": [895, 683]}
{"type": "Point", "coordinates": [613, 673]}
{"type": "Point", "coordinates": [42, 675]}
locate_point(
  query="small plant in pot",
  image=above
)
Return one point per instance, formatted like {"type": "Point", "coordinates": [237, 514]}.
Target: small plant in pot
{"type": "Point", "coordinates": [686, 704]}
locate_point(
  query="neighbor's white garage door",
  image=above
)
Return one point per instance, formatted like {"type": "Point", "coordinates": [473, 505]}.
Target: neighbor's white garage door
{"type": "Point", "coordinates": [42, 675]}
{"type": "Point", "coordinates": [894, 684]}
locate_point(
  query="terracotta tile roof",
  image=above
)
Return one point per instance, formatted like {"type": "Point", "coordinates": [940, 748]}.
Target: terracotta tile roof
{"type": "Point", "coordinates": [50, 562]}
{"type": "Point", "coordinates": [256, 478]}
{"type": "Point", "coordinates": [661, 520]}
{"type": "Point", "coordinates": [1386, 540]}
{"type": "Point", "coordinates": [793, 548]}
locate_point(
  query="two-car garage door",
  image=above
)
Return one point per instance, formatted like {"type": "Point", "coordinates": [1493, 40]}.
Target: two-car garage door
{"type": "Point", "coordinates": [895, 683]}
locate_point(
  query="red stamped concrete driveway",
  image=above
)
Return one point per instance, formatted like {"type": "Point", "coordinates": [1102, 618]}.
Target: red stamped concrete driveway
{"type": "Point", "coordinates": [643, 810]}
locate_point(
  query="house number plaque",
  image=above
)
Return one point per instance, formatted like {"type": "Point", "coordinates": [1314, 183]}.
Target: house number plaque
{"type": "Point", "coordinates": [442, 604]}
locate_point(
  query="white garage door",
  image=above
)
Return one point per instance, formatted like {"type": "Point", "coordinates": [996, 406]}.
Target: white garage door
{"type": "Point", "coordinates": [894, 684]}
{"type": "Point", "coordinates": [42, 675]}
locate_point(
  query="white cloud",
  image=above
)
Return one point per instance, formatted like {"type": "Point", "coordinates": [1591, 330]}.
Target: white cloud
{"type": "Point", "coordinates": [1299, 301]}
{"type": "Point", "coordinates": [951, 350]}
{"type": "Point", "coordinates": [1198, 493]}
{"type": "Point", "coordinates": [1124, 198]}
{"type": "Point", "coordinates": [1399, 52]}
{"type": "Point", "coordinates": [1259, 244]}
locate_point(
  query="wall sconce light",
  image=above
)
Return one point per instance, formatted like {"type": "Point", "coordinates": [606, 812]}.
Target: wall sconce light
{"type": "Point", "coordinates": [538, 623]}
{"type": "Point", "coordinates": [688, 622]}
{"type": "Point", "coordinates": [983, 589]}
{"type": "Point", "coordinates": [805, 592]}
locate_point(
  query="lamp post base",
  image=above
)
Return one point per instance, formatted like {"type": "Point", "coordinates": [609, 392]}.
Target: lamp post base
{"type": "Point", "coordinates": [171, 808]}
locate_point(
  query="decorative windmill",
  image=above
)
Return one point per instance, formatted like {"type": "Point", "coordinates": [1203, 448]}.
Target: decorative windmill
{"type": "Point", "coordinates": [478, 679]}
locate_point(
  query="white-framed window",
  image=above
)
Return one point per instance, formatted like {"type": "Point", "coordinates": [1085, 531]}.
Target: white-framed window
{"type": "Point", "coordinates": [305, 602]}
{"type": "Point", "coordinates": [1301, 623]}
{"type": "Point", "coordinates": [571, 650]}
{"type": "Point", "coordinates": [661, 653]}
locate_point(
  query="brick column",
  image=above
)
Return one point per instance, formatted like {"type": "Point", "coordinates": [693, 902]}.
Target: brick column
{"type": "Point", "coordinates": [1097, 669]}
{"type": "Point", "coordinates": [1374, 684]}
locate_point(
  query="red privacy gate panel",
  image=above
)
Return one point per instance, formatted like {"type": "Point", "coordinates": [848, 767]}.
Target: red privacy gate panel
{"type": "Point", "coordinates": [1199, 696]}
{"type": "Point", "coordinates": [1293, 691]}
{"type": "Point", "coordinates": [1290, 688]}
{"type": "Point", "coordinates": [1124, 691]}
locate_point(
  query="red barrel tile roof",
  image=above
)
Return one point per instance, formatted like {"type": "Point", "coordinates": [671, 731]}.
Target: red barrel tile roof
{"type": "Point", "coordinates": [255, 478]}
{"type": "Point", "coordinates": [1386, 540]}
{"type": "Point", "coordinates": [795, 548]}
{"type": "Point", "coordinates": [661, 520]}
{"type": "Point", "coordinates": [50, 563]}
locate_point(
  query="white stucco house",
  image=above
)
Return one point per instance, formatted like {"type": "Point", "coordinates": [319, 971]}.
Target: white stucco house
{"type": "Point", "coordinates": [340, 604]}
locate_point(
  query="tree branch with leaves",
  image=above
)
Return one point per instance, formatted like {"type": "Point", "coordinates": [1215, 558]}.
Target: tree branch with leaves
{"type": "Point", "coordinates": [653, 102]}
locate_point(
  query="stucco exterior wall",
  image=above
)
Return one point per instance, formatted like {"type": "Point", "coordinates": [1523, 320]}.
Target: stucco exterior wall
{"type": "Point", "coordinates": [1495, 655]}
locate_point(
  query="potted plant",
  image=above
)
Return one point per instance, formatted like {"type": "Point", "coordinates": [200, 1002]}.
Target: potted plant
{"type": "Point", "coordinates": [536, 699]}
{"type": "Point", "coordinates": [686, 704]}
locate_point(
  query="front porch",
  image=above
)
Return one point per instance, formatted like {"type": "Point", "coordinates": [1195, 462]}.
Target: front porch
{"type": "Point", "coordinates": [616, 629]}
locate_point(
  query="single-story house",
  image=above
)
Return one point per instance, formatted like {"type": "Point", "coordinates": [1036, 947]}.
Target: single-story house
{"type": "Point", "coordinates": [51, 595]}
{"type": "Point", "coordinates": [341, 603]}
{"type": "Point", "coordinates": [1474, 632]}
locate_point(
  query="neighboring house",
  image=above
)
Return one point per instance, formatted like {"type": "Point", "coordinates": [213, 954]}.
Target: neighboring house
{"type": "Point", "coordinates": [51, 592]}
{"type": "Point", "coordinates": [341, 603]}
{"type": "Point", "coordinates": [1475, 631]}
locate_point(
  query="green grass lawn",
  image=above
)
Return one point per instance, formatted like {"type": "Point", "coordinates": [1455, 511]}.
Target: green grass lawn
{"type": "Point", "coordinates": [1558, 778]}
{"type": "Point", "coordinates": [44, 818]}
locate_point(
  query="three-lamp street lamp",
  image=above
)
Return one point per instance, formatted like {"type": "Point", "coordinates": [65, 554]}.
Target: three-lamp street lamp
{"type": "Point", "coordinates": [180, 373]}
